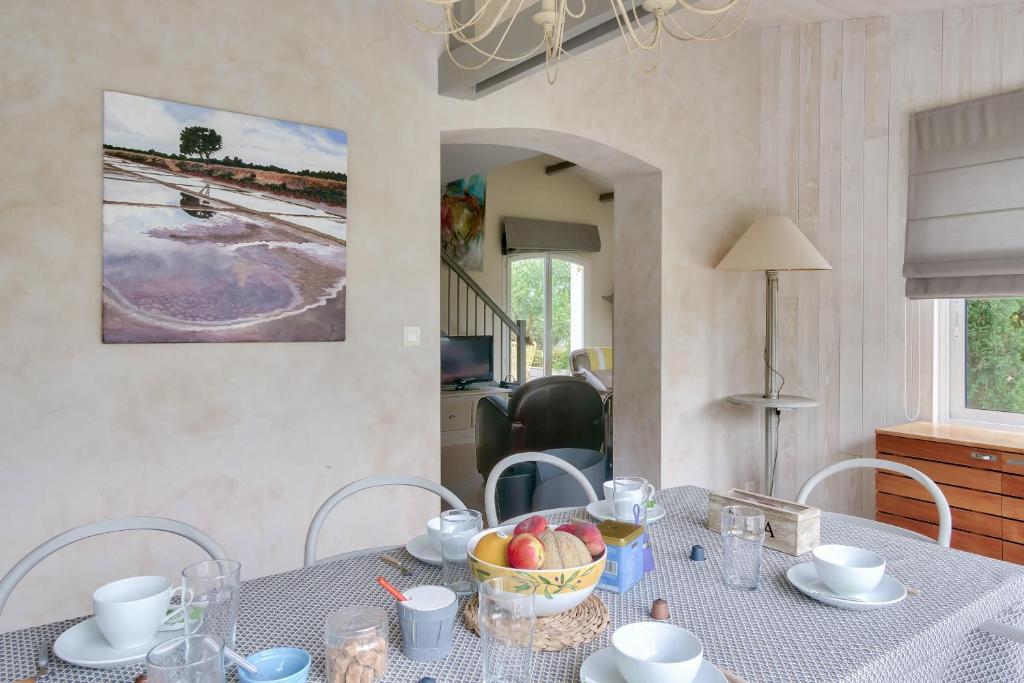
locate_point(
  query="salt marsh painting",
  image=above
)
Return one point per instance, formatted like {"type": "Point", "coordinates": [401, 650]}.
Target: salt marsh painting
{"type": "Point", "coordinates": [221, 227]}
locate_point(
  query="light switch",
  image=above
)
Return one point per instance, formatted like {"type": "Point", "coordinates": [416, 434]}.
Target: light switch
{"type": "Point", "coordinates": [411, 336]}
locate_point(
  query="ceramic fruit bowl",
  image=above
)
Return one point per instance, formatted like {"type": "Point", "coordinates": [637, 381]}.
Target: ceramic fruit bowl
{"type": "Point", "coordinates": [557, 590]}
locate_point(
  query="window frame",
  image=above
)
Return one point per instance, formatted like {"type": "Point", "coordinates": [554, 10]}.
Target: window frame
{"type": "Point", "coordinates": [953, 394]}
{"type": "Point", "coordinates": [548, 256]}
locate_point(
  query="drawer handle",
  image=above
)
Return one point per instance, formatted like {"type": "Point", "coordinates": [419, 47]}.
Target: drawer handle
{"type": "Point", "coordinates": [1015, 461]}
{"type": "Point", "coordinates": [983, 456]}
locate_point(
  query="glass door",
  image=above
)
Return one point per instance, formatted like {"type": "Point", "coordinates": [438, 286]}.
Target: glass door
{"type": "Point", "coordinates": [547, 292]}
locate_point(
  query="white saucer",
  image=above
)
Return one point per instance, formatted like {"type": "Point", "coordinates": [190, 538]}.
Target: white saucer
{"type": "Point", "coordinates": [601, 667]}
{"type": "Point", "coordinates": [84, 645]}
{"type": "Point", "coordinates": [805, 578]}
{"type": "Point", "coordinates": [602, 510]}
{"type": "Point", "coordinates": [423, 550]}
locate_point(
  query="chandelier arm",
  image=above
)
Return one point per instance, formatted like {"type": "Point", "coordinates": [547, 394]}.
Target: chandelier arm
{"type": "Point", "coordinates": [687, 35]}
{"type": "Point", "coordinates": [466, 40]}
{"type": "Point", "coordinates": [639, 24]}
{"type": "Point", "coordinates": [491, 56]}
{"type": "Point", "coordinates": [636, 37]}
{"type": "Point", "coordinates": [404, 10]}
{"type": "Point", "coordinates": [625, 21]}
{"type": "Point", "coordinates": [715, 10]}
{"type": "Point", "coordinates": [516, 58]}
{"type": "Point", "coordinates": [448, 19]}
{"type": "Point", "coordinates": [633, 47]}
{"type": "Point", "coordinates": [575, 15]}
{"type": "Point", "coordinates": [703, 37]}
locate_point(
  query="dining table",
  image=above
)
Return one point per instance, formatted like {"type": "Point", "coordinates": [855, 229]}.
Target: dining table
{"type": "Point", "coordinates": [772, 634]}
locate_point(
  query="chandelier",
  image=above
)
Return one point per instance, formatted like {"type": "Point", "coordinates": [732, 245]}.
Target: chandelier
{"type": "Point", "coordinates": [484, 26]}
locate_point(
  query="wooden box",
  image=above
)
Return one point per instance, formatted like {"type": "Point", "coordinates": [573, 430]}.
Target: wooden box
{"type": "Point", "coordinates": [789, 528]}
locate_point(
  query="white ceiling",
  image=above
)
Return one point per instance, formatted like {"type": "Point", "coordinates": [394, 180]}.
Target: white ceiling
{"type": "Point", "coordinates": [770, 12]}
{"type": "Point", "coordinates": [462, 161]}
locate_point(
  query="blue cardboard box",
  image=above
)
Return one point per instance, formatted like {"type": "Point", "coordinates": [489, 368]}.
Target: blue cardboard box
{"type": "Point", "coordinates": [624, 567]}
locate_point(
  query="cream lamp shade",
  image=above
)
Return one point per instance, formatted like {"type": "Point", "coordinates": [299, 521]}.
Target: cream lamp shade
{"type": "Point", "coordinates": [773, 243]}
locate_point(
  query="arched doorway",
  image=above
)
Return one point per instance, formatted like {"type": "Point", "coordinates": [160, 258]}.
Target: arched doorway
{"type": "Point", "coordinates": [636, 276]}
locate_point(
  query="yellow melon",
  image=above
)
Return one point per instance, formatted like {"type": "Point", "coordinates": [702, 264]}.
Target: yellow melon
{"type": "Point", "coordinates": [493, 548]}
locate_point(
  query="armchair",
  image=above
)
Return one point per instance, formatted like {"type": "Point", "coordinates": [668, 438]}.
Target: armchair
{"type": "Point", "coordinates": [546, 413]}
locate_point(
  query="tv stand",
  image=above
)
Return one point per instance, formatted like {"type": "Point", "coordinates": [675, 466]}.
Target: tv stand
{"type": "Point", "coordinates": [458, 410]}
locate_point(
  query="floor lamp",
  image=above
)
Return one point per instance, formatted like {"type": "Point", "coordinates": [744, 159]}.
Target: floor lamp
{"type": "Point", "coordinates": [771, 244]}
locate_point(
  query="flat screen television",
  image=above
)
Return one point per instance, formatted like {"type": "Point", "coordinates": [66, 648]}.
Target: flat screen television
{"type": "Point", "coordinates": [467, 359]}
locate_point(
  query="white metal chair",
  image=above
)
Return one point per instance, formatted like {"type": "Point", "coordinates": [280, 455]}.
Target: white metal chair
{"type": "Point", "coordinates": [490, 504]}
{"type": "Point", "coordinates": [108, 526]}
{"type": "Point", "coordinates": [945, 521]}
{"type": "Point", "coordinates": [313, 535]}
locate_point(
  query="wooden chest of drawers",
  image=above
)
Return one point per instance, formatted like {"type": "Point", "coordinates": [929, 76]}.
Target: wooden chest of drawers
{"type": "Point", "coordinates": [981, 472]}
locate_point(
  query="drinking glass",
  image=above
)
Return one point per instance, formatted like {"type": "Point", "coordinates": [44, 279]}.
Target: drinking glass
{"type": "Point", "coordinates": [457, 527]}
{"type": "Point", "coordinates": [742, 538]}
{"type": "Point", "coordinates": [213, 588]}
{"type": "Point", "coordinates": [630, 496]}
{"type": "Point", "coordinates": [506, 619]}
{"type": "Point", "coordinates": [187, 659]}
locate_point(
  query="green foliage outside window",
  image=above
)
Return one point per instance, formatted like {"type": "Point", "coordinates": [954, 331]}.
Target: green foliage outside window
{"type": "Point", "coordinates": [995, 354]}
{"type": "Point", "coordinates": [527, 299]}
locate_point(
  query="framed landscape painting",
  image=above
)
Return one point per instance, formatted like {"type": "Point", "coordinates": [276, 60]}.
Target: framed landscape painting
{"type": "Point", "coordinates": [220, 227]}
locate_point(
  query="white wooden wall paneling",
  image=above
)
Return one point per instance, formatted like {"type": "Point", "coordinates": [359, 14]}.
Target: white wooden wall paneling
{"type": "Point", "coordinates": [837, 97]}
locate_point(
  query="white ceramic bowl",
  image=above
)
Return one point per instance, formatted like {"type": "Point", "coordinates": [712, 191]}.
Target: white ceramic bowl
{"type": "Point", "coordinates": [655, 652]}
{"type": "Point", "coordinates": [434, 532]}
{"type": "Point", "coordinates": [848, 570]}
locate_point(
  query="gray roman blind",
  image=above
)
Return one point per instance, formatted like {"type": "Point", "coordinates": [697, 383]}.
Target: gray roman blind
{"type": "Point", "coordinates": [524, 235]}
{"type": "Point", "coordinates": [965, 212]}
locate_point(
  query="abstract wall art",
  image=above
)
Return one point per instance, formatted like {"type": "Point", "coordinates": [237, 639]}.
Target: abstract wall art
{"type": "Point", "coordinates": [462, 221]}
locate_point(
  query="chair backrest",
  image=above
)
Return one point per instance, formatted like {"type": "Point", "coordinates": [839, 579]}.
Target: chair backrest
{"type": "Point", "coordinates": [313, 535]}
{"type": "Point", "coordinates": [945, 521]}
{"type": "Point", "coordinates": [492, 479]}
{"type": "Point", "coordinates": [556, 412]}
{"type": "Point", "coordinates": [25, 564]}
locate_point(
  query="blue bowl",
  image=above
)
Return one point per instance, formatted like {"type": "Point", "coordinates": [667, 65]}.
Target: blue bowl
{"type": "Point", "coordinates": [279, 665]}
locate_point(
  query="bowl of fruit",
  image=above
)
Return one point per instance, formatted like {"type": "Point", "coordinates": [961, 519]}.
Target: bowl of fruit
{"type": "Point", "coordinates": [561, 565]}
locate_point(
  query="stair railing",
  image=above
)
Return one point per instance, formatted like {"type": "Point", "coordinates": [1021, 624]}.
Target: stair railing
{"type": "Point", "coordinates": [469, 309]}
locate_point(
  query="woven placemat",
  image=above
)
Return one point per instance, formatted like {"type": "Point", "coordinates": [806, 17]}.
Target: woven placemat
{"type": "Point", "coordinates": [578, 626]}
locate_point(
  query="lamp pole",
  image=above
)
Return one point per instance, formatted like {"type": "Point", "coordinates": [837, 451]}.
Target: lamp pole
{"type": "Point", "coordinates": [771, 378]}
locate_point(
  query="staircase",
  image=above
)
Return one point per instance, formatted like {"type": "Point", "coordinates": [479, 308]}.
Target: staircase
{"type": "Point", "coordinates": [470, 311]}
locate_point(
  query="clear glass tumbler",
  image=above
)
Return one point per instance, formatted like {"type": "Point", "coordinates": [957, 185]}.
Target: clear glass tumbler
{"type": "Point", "coordinates": [742, 538]}
{"type": "Point", "coordinates": [457, 527]}
{"type": "Point", "coordinates": [506, 620]}
{"type": "Point", "coordinates": [187, 659]}
{"type": "Point", "coordinates": [213, 588]}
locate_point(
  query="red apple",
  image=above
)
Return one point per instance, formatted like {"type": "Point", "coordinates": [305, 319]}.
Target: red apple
{"type": "Point", "coordinates": [531, 525]}
{"type": "Point", "coordinates": [591, 536]}
{"type": "Point", "coordinates": [525, 551]}
{"type": "Point", "coordinates": [567, 528]}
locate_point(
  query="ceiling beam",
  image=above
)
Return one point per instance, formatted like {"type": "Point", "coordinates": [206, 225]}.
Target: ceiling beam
{"type": "Point", "coordinates": [559, 167]}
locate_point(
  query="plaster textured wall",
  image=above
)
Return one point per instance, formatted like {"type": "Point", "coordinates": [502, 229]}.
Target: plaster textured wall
{"type": "Point", "coordinates": [246, 440]}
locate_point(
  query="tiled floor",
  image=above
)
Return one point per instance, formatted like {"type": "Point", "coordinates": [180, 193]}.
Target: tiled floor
{"type": "Point", "coordinates": [458, 473]}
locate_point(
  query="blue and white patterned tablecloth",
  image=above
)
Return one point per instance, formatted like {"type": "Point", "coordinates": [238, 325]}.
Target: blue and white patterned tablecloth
{"type": "Point", "coordinates": [772, 634]}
